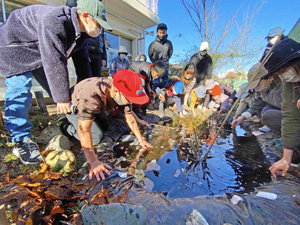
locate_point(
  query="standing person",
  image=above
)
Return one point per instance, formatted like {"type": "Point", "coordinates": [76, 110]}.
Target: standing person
{"type": "Point", "coordinates": [274, 36]}
{"type": "Point", "coordinates": [120, 62]}
{"type": "Point", "coordinates": [43, 37]}
{"type": "Point", "coordinates": [93, 95]}
{"type": "Point", "coordinates": [161, 49]}
{"type": "Point", "coordinates": [203, 63]}
{"type": "Point", "coordinates": [96, 50]}
{"type": "Point", "coordinates": [187, 76]}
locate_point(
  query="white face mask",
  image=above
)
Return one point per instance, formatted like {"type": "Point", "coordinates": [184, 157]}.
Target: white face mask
{"type": "Point", "coordinates": [289, 75]}
{"type": "Point", "coordinates": [122, 56]}
{"type": "Point", "coordinates": [274, 40]}
{"type": "Point", "coordinates": [142, 60]}
{"type": "Point", "coordinates": [94, 32]}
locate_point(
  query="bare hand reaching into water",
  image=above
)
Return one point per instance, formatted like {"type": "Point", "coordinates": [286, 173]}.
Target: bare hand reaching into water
{"type": "Point", "coordinates": [237, 121]}
{"type": "Point", "coordinates": [145, 145]}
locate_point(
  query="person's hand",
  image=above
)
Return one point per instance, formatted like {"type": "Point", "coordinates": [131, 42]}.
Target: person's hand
{"type": "Point", "coordinates": [63, 107]}
{"type": "Point", "coordinates": [230, 100]}
{"type": "Point", "coordinates": [145, 145]}
{"type": "Point", "coordinates": [298, 104]}
{"type": "Point", "coordinates": [281, 165]}
{"type": "Point", "coordinates": [97, 169]}
{"type": "Point", "coordinates": [152, 93]}
{"type": "Point", "coordinates": [236, 122]}
{"type": "Point", "coordinates": [103, 63]}
{"type": "Point", "coordinates": [186, 108]}
{"type": "Point", "coordinates": [162, 98]}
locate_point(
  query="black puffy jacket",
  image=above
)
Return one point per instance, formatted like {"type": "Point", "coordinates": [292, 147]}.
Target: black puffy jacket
{"type": "Point", "coordinates": [203, 66]}
{"type": "Point", "coordinates": [97, 49]}
{"type": "Point", "coordinates": [160, 51]}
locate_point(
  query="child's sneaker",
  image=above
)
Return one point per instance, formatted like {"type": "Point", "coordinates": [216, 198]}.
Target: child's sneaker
{"type": "Point", "coordinates": [27, 151]}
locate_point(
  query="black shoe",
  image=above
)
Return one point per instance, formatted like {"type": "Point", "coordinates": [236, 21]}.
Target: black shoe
{"type": "Point", "coordinates": [27, 151]}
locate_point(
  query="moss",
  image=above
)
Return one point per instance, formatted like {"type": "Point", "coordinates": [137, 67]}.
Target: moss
{"type": "Point", "coordinates": [9, 158]}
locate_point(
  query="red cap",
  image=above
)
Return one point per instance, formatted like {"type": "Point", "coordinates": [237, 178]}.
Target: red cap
{"type": "Point", "coordinates": [216, 90]}
{"type": "Point", "coordinates": [131, 86]}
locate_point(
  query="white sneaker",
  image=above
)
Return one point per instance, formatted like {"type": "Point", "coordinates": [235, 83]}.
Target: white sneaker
{"type": "Point", "coordinates": [265, 129]}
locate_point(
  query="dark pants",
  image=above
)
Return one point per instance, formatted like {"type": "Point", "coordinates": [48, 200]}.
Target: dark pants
{"type": "Point", "coordinates": [96, 67]}
{"type": "Point", "coordinates": [97, 133]}
{"type": "Point", "coordinates": [40, 77]}
{"type": "Point", "coordinates": [271, 117]}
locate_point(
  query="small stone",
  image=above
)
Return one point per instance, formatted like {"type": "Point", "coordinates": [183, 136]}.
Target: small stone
{"type": "Point", "coordinates": [177, 173]}
{"type": "Point", "coordinates": [62, 159]}
{"type": "Point", "coordinates": [139, 175]}
{"type": "Point", "coordinates": [49, 133]}
{"type": "Point", "coordinates": [153, 166]}
{"type": "Point", "coordinates": [59, 142]}
{"type": "Point", "coordinates": [196, 218]}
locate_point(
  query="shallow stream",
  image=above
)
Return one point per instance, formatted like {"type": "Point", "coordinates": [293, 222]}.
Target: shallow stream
{"type": "Point", "coordinates": [236, 163]}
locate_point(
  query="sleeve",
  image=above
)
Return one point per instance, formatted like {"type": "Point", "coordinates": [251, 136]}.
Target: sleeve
{"type": "Point", "coordinates": [224, 105]}
{"type": "Point", "coordinates": [158, 91]}
{"type": "Point", "coordinates": [206, 100]}
{"type": "Point", "coordinates": [209, 68]}
{"type": "Point", "coordinates": [193, 99]}
{"type": "Point", "coordinates": [82, 63]}
{"type": "Point", "coordinates": [170, 50]}
{"type": "Point", "coordinates": [150, 51]}
{"type": "Point", "coordinates": [104, 54]}
{"type": "Point", "coordinates": [242, 107]}
{"type": "Point", "coordinates": [177, 100]}
{"type": "Point", "coordinates": [112, 69]}
{"type": "Point", "coordinates": [53, 49]}
{"type": "Point", "coordinates": [256, 105]}
{"type": "Point", "coordinates": [190, 87]}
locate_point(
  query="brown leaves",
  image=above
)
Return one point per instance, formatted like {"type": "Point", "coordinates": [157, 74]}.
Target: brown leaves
{"type": "Point", "coordinates": [103, 198]}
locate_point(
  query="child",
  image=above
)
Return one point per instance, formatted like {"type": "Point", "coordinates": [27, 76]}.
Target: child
{"type": "Point", "coordinates": [219, 100]}
{"type": "Point", "coordinates": [171, 94]}
{"type": "Point", "coordinates": [197, 94]}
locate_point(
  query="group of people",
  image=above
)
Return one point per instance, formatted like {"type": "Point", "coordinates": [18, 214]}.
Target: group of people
{"type": "Point", "coordinates": [36, 41]}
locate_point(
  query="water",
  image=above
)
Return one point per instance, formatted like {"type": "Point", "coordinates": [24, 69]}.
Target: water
{"type": "Point", "coordinates": [237, 163]}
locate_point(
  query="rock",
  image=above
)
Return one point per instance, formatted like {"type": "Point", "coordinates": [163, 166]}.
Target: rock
{"type": "Point", "coordinates": [139, 175]}
{"type": "Point", "coordinates": [61, 159]}
{"type": "Point", "coordinates": [49, 133]}
{"type": "Point", "coordinates": [196, 218]}
{"type": "Point", "coordinates": [114, 213]}
{"type": "Point", "coordinates": [177, 173]}
{"type": "Point", "coordinates": [153, 166]}
{"type": "Point", "coordinates": [148, 184]}
{"type": "Point", "coordinates": [59, 142]}
{"type": "Point", "coordinates": [128, 138]}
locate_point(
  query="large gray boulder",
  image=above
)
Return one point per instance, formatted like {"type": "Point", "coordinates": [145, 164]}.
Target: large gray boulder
{"type": "Point", "coordinates": [114, 213]}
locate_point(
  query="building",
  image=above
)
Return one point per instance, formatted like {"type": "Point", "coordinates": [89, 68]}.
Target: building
{"type": "Point", "coordinates": [128, 18]}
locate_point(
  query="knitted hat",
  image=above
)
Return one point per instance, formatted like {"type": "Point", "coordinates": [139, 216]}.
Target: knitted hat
{"type": "Point", "coordinates": [216, 90]}
{"type": "Point", "coordinates": [200, 91]}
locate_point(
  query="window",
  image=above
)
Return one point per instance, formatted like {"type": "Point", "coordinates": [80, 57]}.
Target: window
{"type": "Point", "coordinates": [113, 42]}
{"type": "Point", "coordinates": [9, 6]}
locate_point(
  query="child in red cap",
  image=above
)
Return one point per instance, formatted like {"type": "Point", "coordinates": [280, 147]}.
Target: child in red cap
{"type": "Point", "coordinates": [219, 100]}
{"type": "Point", "coordinates": [93, 95]}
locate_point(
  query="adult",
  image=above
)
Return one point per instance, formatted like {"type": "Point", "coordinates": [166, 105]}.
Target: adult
{"type": "Point", "coordinates": [187, 76]}
{"type": "Point", "coordinates": [203, 63]}
{"type": "Point", "coordinates": [120, 62]}
{"type": "Point", "coordinates": [96, 50]}
{"type": "Point", "coordinates": [148, 72]}
{"type": "Point", "coordinates": [93, 95]}
{"type": "Point", "coordinates": [41, 36]}
{"type": "Point", "coordinates": [274, 36]}
{"type": "Point", "coordinates": [161, 49]}
{"type": "Point", "coordinates": [266, 101]}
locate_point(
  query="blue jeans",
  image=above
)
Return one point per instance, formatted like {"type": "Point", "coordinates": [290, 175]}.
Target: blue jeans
{"type": "Point", "coordinates": [160, 82]}
{"type": "Point", "coordinates": [17, 105]}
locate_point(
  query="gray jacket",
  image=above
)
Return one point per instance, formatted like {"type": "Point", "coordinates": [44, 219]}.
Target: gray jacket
{"type": "Point", "coordinates": [271, 96]}
{"type": "Point", "coordinates": [117, 65]}
{"type": "Point", "coordinates": [143, 68]}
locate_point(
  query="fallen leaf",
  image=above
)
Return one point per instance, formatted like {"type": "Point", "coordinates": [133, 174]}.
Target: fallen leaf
{"type": "Point", "coordinates": [54, 176]}
{"type": "Point", "coordinates": [7, 177]}
{"type": "Point", "coordinates": [46, 152]}
{"type": "Point", "coordinates": [34, 194]}
{"type": "Point", "coordinates": [56, 210]}
{"type": "Point", "coordinates": [100, 198]}
{"type": "Point", "coordinates": [44, 168]}
{"type": "Point", "coordinates": [14, 214]}
{"type": "Point", "coordinates": [21, 180]}
{"type": "Point", "coordinates": [38, 177]}
{"type": "Point", "coordinates": [29, 221]}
